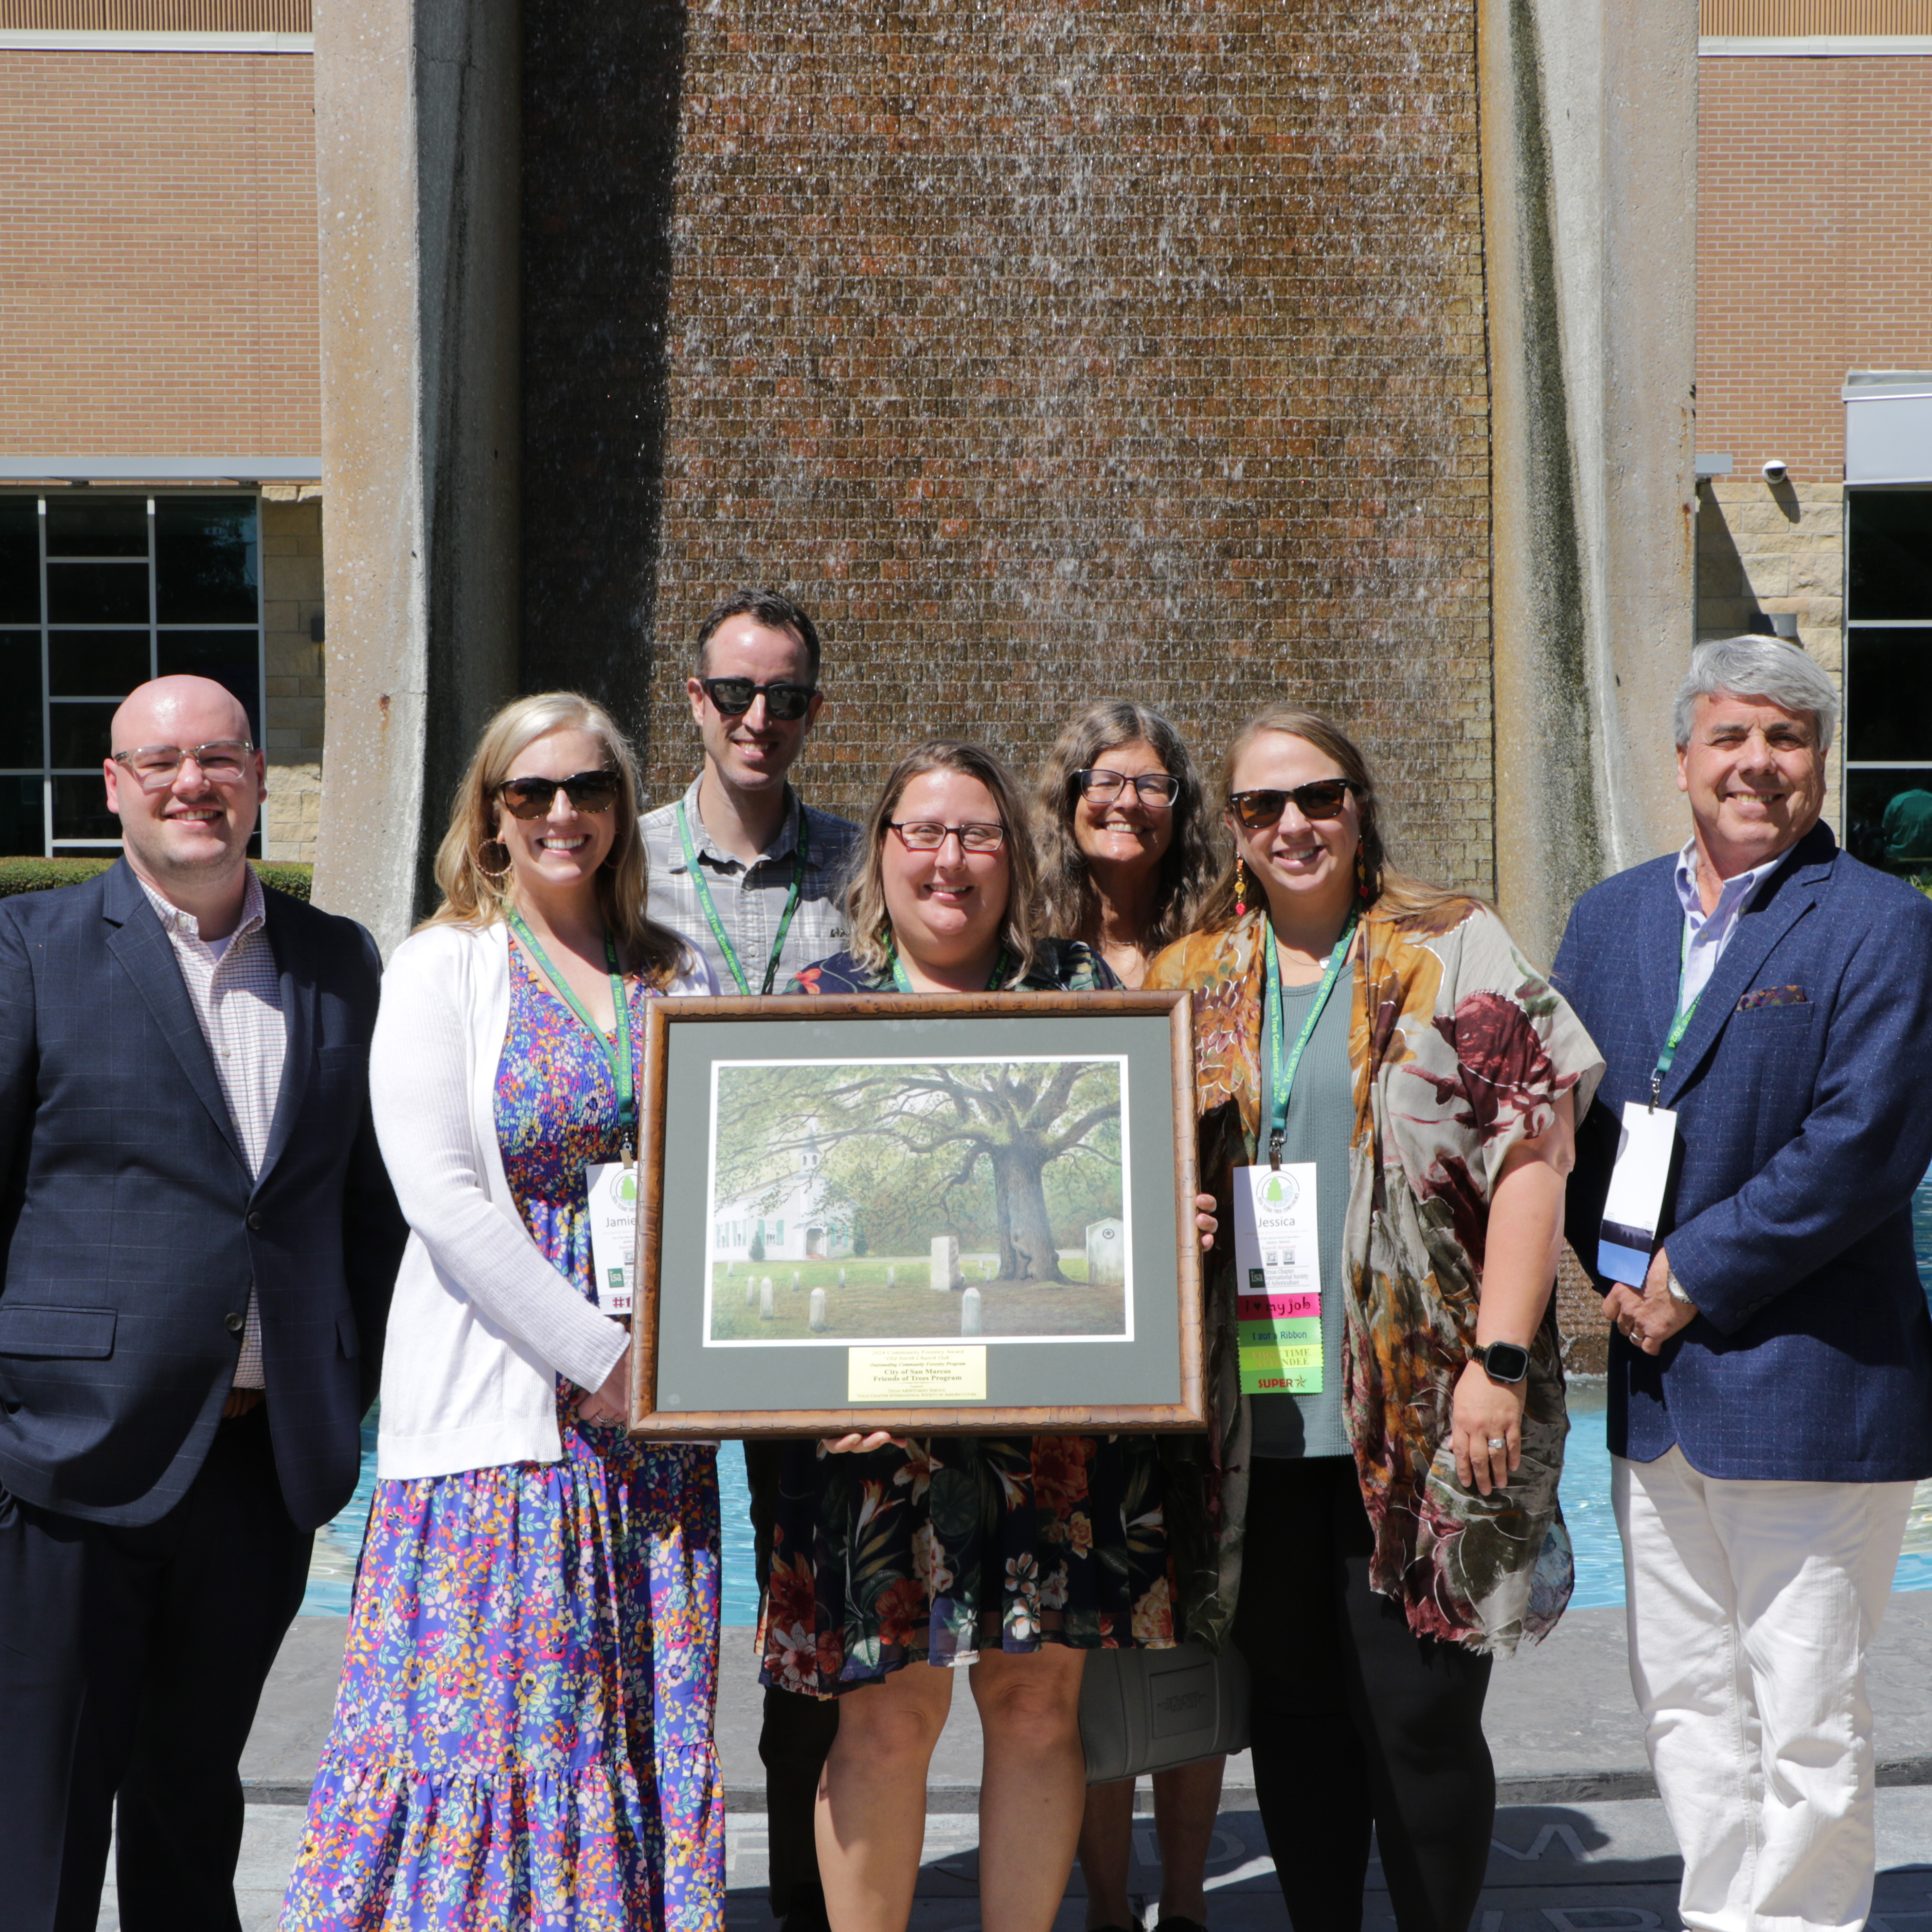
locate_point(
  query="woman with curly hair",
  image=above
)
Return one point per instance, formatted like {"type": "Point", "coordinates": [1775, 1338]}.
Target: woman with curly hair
{"type": "Point", "coordinates": [1127, 859]}
{"type": "Point", "coordinates": [1127, 855]}
{"type": "Point", "coordinates": [1015, 1556]}
{"type": "Point", "coordinates": [1383, 1368]}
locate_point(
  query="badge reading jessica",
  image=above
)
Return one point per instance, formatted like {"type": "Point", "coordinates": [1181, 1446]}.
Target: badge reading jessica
{"type": "Point", "coordinates": [1278, 1304]}
{"type": "Point", "coordinates": [612, 1188]}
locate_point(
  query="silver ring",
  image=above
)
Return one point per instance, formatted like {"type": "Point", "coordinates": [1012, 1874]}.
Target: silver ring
{"type": "Point", "coordinates": [1498, 1442]}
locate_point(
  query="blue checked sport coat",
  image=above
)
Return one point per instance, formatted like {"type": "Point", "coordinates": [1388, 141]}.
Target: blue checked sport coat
{"type": "Point", "coordinates": [130, 1231]}
{"type": "Point", "coordinates": [1804, 1095]}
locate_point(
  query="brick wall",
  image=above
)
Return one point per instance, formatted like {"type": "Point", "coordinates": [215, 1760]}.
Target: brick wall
{"type": "Point", "coordinates": [157, 257]}
{"type": "Point", "coordinates": [1814, 253]}
{"type": "Point", "coordinates": [1053, 350]}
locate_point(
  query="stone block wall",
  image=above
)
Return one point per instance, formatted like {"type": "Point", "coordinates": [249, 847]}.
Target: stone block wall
{"type": "Point", "coordinates": [1052, 351]}
{"type": "Point", "coordinates": [1766, 551]}
{"type": "Point", "coordinates": [291, 607]}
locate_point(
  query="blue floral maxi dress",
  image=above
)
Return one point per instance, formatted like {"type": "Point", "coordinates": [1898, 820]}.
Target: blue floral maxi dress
{"type": "Point", "coordinates": [522, 1737]}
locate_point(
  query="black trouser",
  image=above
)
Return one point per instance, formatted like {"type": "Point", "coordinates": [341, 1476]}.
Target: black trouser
{"type": "Point", "coordinates": [795, 1738]}
{"type": "Point", "coordinates": [1356, 1721]}
{"type": "Point", "coordinates": [131, 1662]}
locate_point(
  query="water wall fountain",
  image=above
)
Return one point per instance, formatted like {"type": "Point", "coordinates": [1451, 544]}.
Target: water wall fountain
{"type": "Point", "coordinates": [1215, 351]}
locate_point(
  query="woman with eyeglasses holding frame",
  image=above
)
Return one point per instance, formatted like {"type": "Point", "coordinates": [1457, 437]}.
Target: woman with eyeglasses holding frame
{"type": "Point", "coordinates": [1014, 1555]}
{"type": "Point", "coordinates": [524, 1731]}
{"type": "Point", "coordinates": [1388, 1092]}
{"type": "Point", "coordinates": [1127, 862]}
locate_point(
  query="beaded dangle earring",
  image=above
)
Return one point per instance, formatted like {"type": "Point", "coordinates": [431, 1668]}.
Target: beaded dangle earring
{"type": "Point", "coordinates": [1362, 892]}
{"type": "Point", "coordinates": [1240, 889]}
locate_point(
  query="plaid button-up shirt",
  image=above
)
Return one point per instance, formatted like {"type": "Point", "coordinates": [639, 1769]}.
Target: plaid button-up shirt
{"type": "Point", "coordinates": [236, 991]}
{"type": "Point", "coordinates": [750, 900]}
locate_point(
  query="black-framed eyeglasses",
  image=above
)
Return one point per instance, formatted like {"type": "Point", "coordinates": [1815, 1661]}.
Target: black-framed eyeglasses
{"type": "Point", "coordinates": [587, 791]}
{"type": "Point", "coordinates": [1321, 798]}
{"type": "Point", "coordinates": [927, 834]}
{"type": "Point", "coordinates": [222, 761]}
{"type": "Point", "coordinates": [1158, 789]}
{"type": "Point", "coordinates": [735, 696]}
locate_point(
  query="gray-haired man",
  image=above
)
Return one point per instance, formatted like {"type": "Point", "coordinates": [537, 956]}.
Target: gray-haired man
{"type": "Point", "coordinates": [1742, 1193]}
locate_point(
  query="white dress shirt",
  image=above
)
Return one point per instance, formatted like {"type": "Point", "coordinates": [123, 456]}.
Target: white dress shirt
{"type": "Point", "coordinates": [236, 991]}
{"type": "Point", "coordinates": [1708, 934]}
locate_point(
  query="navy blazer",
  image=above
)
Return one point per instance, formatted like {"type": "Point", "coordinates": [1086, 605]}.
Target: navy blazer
{"type": "Point", "coordinates": [1803, 1090]}
{"type": "Point", "coordinates": [131, 1231]}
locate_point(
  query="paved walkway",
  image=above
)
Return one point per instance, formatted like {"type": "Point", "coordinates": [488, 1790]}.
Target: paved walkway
{"type": "Point", "coordinates": [1580, 1844]}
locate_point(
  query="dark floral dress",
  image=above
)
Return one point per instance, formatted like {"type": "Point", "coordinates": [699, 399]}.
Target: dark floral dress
{"type": "Point", "coordinates": [960, 1543]}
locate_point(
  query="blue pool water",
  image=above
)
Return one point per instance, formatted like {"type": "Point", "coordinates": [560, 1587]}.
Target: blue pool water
{"type": "Point", "coordinates": [1586, 1504]}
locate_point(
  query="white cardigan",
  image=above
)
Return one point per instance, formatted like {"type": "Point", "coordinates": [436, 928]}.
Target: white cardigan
{"type": "Point", "coordinates": [482, 1324]}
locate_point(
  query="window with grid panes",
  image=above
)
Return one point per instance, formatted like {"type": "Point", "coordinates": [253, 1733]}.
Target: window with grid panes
{"type": "Point", "coordinates": [1888, 679]}
{"type": "Point", "coordinates": [98, 593]}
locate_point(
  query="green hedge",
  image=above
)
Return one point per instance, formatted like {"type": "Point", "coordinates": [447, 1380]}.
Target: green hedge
{"type": "Point", "coordinates": [41, 875]}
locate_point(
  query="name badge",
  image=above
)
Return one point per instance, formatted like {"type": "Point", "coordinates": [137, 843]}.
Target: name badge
{"type": "Point", "coordinates": [1638, 1183]}
{"type": "Point", "coordinates": [1278, 1267]}
{"type": "Point", "coordinates": [613, 1191]}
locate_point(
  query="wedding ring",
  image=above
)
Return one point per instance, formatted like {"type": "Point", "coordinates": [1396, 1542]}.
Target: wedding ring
{"type": "Point", "coordinates": [1498, 1442]}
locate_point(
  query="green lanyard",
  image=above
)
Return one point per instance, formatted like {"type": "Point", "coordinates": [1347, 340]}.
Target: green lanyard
{"type": "Point", "coordinates": [718, 932]}
{"type": "Point", "coordinates": [621, 1071]}
{"type": "Point", "coordinates": [1678, 1026]}
{"type": "Point", "coordinates": [1281, 1074]}
{"type": "Point", "coordinates": [905, 985]}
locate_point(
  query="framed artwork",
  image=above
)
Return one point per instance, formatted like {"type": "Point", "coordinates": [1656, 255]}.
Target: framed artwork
{"type": "Point", "coordinates": [933, 1212]}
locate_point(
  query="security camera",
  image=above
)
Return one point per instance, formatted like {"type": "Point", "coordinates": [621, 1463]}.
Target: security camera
{"type": "Point", "coordinates": [1775, 471]}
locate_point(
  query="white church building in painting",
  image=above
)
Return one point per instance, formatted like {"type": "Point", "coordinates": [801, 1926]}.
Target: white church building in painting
{"type": "Point", "coordinates": [803, 1219]}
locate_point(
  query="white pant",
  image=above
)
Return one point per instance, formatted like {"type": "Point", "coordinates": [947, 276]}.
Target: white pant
{"type": "Point", "coordinates": [1752, 1605]}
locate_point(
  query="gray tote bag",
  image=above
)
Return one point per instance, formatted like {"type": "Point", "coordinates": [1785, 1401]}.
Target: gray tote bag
{"type": "Point", "coordinates": [1149, 1710]}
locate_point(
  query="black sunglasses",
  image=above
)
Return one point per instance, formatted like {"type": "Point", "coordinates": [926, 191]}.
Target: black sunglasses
{"type": "Point", "coordinates": [532, 798]}
{"type": "Point", "coordinates": [1322, 799]}
{"type": "Point", "coordinates": [735, 696]}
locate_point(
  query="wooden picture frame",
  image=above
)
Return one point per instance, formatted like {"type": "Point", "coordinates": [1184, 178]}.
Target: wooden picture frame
{"type": "Point", "coordinates": [1063, 1335]}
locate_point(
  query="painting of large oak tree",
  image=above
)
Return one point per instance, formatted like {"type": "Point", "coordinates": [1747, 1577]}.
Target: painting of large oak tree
{"type": "Point", "coordinates": [1014, 1160]}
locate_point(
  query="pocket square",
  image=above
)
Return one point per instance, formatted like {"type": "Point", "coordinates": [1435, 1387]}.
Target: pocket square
{"type": "Point", "coordinates": [1773, 996]}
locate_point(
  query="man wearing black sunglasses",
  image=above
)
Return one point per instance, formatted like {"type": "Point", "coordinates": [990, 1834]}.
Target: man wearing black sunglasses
{"type": "Point", "coordinates": [744, 868]}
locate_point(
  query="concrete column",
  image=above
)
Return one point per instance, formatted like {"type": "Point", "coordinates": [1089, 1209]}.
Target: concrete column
{"type": "Point", "coordinates": [1589, 160]}
{"type": "Point", "coordinates": [416, 156]}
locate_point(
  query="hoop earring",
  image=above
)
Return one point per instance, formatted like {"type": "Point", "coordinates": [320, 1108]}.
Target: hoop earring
{"type": "Point", "coordinates": [1240, 888]}
{"type": "Point", "coordinates": [478, 860]}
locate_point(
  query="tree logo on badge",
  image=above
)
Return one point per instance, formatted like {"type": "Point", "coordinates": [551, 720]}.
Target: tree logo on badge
{"type": "Point", "coordinates": [1281, 1191]}
{"type": "Point", "coordinates": [624, 1185]}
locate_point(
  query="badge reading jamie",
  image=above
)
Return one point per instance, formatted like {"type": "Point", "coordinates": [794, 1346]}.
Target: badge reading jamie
{"type": "Point", "coordinates": [612, 1188]}
{"type": "Point", "coordinates": [1277, 1264]}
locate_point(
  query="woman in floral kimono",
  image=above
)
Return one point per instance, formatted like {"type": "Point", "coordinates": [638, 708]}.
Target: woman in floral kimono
{"type": "Point", "coordinates": [1016, 1555]}
{"type": "Point", "coordinates": [1382, 1352]}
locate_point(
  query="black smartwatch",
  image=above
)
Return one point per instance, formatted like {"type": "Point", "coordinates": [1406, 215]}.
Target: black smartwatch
{"type": "Point", "coordinates": [1503, 1361]}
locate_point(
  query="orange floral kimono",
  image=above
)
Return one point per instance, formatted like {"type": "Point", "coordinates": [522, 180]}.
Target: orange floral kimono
{"type": "Point", "coordinates": [1460, 1050]}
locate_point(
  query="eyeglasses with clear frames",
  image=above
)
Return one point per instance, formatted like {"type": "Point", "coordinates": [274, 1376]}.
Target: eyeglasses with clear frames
{"type": "Point", "coordinates": [925, 835]}
{"type": "Point", "coordinates": [222, 761]}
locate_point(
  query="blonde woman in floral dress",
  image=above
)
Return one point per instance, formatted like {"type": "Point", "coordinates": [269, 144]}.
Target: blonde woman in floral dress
{"type": "Point", "coordinates": [522, 1737]}
{"type": "Point", "coordinates": [1387, 1522]}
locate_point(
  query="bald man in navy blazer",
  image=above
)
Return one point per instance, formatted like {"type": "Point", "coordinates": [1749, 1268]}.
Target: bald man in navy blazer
{"type": "Point", "coordinates": [1771, 1369]}
{"type": "Point", "coordinates": [198, 1241]}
